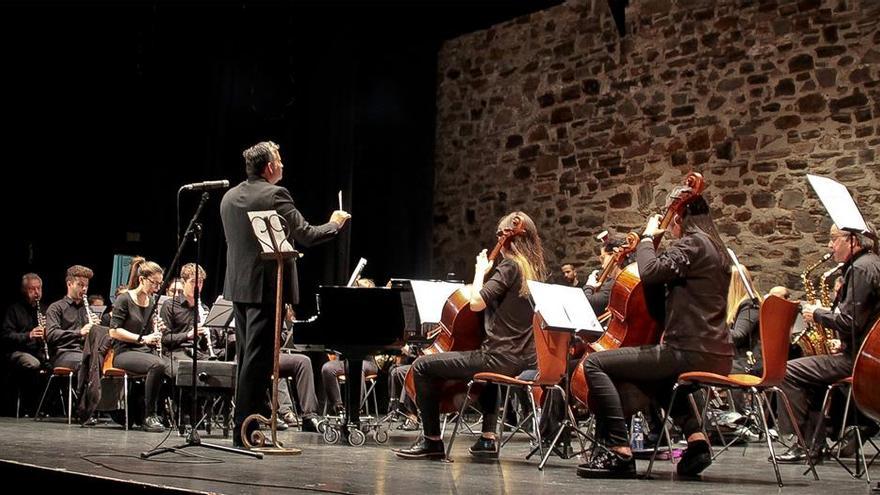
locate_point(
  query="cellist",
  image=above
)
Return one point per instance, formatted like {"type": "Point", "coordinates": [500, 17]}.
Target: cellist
{"type": "Point", "coordinates": [695, 270]}
{"type": "Point", "coordinates": [508, 346]}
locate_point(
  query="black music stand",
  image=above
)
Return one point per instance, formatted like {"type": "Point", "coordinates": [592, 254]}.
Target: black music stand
{"type": "Point", "coordinates": [271, 230]}
{"type": "Point", "coordinates": [194, 230]}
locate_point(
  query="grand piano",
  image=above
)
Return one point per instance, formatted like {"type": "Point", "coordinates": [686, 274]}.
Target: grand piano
{"type": "Point", "coordinates": [358, 322]}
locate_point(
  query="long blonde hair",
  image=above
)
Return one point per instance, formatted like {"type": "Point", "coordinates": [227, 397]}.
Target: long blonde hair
{"type": "Point", "coordinates": [524, 249]}
{"type": "Point", "coordinates": [737, 292]}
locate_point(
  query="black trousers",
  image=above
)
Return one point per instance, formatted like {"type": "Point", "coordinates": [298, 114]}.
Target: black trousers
{"type": "Point", "coordinates": [151, 365]}
{"type": "Point", "coordinates": [431, 370]}
{"type": "Point", "coordinates": [654, 368]}
{"type": "Point", "coordinates": [806, 380]}
{"type": "Point", "coordinates": [254, 345]}
{"type": "Point", "coordinates": [298, 367]}
{"type": "Point", "coordinates": [335, 368]}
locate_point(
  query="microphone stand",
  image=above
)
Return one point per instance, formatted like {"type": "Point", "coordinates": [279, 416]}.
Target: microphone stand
{"type": "Point", "coordinates": [194, 230]}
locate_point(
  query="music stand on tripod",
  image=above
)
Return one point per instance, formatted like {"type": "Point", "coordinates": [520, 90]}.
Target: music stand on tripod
{"type": "Point", "coordinates": [271, 230]}
{"type": "Point", "coordinates": [192, 439]}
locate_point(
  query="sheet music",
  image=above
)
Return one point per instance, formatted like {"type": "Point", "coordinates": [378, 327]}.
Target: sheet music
{"type": "Point", "coordinates": [357, 272]}
{"type": "Point", "coordinates": [839, 203]}
{"type": "Point", "coordinates": [564, 307]}
{"type": "Point", "coordinates": [431, 297]}
{"type": "Point", "coordinates": [275, 229]}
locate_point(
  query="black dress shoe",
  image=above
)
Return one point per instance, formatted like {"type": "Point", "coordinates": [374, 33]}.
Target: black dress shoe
{"type": "Point", "coordinates": [695, 459]}
{"type": "Point", "coordinates": [608, 465]}
{"type": "Point", "coordinates": [310, 425]}
{"type": "Point", "coordinates": [93, 421]}
{"type": "Point", "coordinates": [424, 448]}
{"type": "Point", "coordinates": [484, 447]}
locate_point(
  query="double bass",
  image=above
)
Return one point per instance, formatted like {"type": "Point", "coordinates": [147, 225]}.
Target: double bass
{"type": "Point", "coordinates": [460, 329]}
{"type": "Point", "coordinates": [632, 321]}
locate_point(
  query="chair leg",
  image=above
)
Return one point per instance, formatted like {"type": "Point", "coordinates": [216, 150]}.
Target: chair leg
{"type": "Point", "coordinates": [797, 430]}
{"type": "Point", "coordinates": [665, 432]}
{"type": "Point", "coordinates": [43, 398]}
{"type": "Point", "coordinates": [70, 398]}
{"type": "Point", "coordinates": [757, 397]}
{"type": "Point", "coordinates": [125, 397]}
{"type": "Point", "coordinates": [459, 419]}
{"type": "Point", "coordinates": [499, 425]}
{"type": "Point", "coordinates": [536, 424]}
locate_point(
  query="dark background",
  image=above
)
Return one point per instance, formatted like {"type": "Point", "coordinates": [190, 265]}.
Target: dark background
{"type": "Point", "coordinates": [108, 109]}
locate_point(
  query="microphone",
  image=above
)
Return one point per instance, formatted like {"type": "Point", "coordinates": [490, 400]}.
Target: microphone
{"type": "Point", "coordinates": [206, 185]}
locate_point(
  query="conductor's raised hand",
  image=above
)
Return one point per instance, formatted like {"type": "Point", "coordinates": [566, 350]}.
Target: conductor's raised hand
{"type": "Point", "coordinates": [339, 217]}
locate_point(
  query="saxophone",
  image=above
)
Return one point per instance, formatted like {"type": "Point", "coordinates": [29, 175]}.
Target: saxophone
{"type": "Point", "coordinates": [812, 340]}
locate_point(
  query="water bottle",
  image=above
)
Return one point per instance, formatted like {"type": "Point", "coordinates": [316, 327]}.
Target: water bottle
{"type": "Point", "coordinates": [638, 433]}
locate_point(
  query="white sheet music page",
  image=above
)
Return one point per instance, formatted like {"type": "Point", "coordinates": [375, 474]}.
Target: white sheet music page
{"type": "Point", "coordinates": [839, 203]}
{"type": "Point", "coordinates": [275, 229]}
{"type": "Point", "coordinates": [431, 297]}
{"type": "Point", "coordinates": [564, 307]}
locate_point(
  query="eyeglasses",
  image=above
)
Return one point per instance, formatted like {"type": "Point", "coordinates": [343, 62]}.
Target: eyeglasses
{"type": "Point", "coordinates": [155, 283]}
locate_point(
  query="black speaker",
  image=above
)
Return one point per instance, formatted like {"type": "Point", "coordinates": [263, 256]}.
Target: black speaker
{"type": "Point", "coordinates": [212, 374]}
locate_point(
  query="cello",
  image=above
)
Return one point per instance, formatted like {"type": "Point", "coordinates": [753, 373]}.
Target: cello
{"type": "Point", "coordinates": [460, 329]}
{"type": "Point", "coordinates": [632, 322]}
{"type": "Point", "coordinates": [866, 373]}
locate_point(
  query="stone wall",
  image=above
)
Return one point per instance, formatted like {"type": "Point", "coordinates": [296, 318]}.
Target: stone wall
{"type": "Point", "coordinates": [556, 115]}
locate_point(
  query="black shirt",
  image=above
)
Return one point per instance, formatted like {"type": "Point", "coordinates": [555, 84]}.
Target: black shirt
{"type": "Point", "coordinates": [508, 317]}
{"type": "Point", "coordinates": [861, 302]}
{"type": "Point", "coordinates": [598, 298]}
{"type": "Point", "coordinates": [696, 279]}
{"type": "Point", "coordinates": [64, 320]}
{"type": "Point", "coordinates": [130, 316]}
{"type": "Point", "coordinates": [178, 317]}
{"type": "Point", "coordinates": [18, 321]}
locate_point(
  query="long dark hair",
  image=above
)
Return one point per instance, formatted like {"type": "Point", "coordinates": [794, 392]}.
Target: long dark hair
{"type": "Point", "coordinates": [695, 218]}
{"type": "Point", "coordinates": [525, 249]}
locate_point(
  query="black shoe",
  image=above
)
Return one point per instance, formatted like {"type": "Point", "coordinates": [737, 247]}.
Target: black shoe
{"type": "Point", "coordinates": [484, 447]}
{"type": "Point", "coordinates": [310, 425]}
{"type": "Point", "coordinates": [695, 459]}
{"type": "Point", "coordinates": [152, 424]}
{"type": "Point", "coordinates": [424, 448]}
{"type": "Point", "coordinates": [607, 464]}
{"type": "Point", "coordinates": [93, 421]}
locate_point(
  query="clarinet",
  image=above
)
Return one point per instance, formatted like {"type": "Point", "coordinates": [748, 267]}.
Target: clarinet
{"type": "Point", "coordinates": [157, 325]}
{"type": "Point", "coordinates": [93, 318]}
{"type": "Point", "coordinates": [41, 322]}
{"type": "Point", "coordinates": [211, 354]}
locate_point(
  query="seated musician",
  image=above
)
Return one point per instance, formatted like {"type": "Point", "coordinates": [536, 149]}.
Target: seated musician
{"type": "Point", "coordinates": [570, 275]}
{"type": "Point", "coordinates": [22, 338]}
{"type": "Point", "coordinates": [742, 318]}
{"type": "Point", "coordinates": [134, 350]}
{"type": "Point", "coordinates": [508, 346]}
{"type": "Point", "coordinates": [68, 320]}
{"type": "Point", "coordinates": [597, 295]}
{"type": "Point", "coordinates": [858, 306]}
{"type": "Point", "coordinates": [399, 400]}
{"type": "Point", "coordinates": [297, 367]}
{"type": "Point", "coordinates": [177, 314]}
{"type": "Point", "coordinates": [695, 270]}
